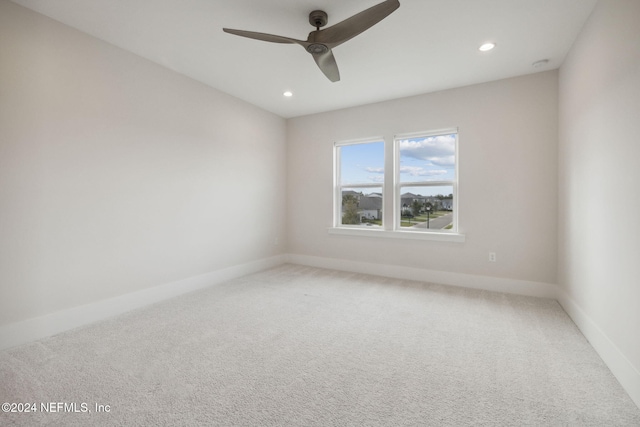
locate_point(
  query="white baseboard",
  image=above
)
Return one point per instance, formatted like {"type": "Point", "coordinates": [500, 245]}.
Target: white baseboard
{"type": "Point", "coordinates": [495, 284]}
{"type": "Point", "coordinates": [29, 330]}
{"type": "Point", "coordinates": [627, 375]}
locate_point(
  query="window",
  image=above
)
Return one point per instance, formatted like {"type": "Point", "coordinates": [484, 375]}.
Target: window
{"type": "Point", "coordinates": [426, 184]}
{"type": "Point", "coordinates": [420, 192]}
{"type": "Point", "coordinates": [359, 184]}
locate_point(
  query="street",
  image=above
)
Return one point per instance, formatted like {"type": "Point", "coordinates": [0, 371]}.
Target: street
{"type": "Point", "coordinates": [437, 223]}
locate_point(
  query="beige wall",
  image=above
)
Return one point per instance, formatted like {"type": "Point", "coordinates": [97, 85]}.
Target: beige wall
{"type": "Point", "coordinates": [508, 178]}
{"type": "Point", "coordinates": [117, 174]}
{"type": "Point", "coordinates": [599, 163]}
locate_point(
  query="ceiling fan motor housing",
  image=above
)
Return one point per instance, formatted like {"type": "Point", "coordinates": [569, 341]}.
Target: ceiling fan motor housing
{"type": "Point", "coordinates": [317, 48]}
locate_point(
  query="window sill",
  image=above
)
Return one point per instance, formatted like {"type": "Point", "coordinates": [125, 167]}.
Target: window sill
{"type": "Point", "coordinates": [396, 234]}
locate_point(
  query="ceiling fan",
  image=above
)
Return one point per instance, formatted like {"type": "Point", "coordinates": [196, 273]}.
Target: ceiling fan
{"type": "Point", "coordinates": [320, 42]}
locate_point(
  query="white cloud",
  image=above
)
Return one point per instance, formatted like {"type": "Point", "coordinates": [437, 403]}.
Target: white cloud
{"type": "Point", "coordinates": [420, 171]}
{"type": "Point", "coordinates": [438, 150]}
{"type": "Point", "coordinates": [443, 161]}
{"type": "Point", "coordinates": [374, 170]}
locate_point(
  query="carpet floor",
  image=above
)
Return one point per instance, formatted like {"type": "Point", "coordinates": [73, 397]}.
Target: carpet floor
{"type": "Point", "coordinates": [301, 346]}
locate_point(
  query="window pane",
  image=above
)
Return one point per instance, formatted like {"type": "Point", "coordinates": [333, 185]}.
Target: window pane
{"type": "Point", "coordinates": [431, 158]}
{"type": "Point", "coordinates": [427, 208]}
{"type": "Point", "coordinates": [362, 163]}
{"type": "Point", "coordinates": [362, 206]}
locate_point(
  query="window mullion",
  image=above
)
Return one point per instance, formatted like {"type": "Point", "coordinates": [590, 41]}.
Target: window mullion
{"type": "Point", "coordinates": [396, 186]}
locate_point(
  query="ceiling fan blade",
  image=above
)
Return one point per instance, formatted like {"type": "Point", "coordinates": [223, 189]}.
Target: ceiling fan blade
{"type": "Point", "coordinates": [351, 27]}
{"type": "Point", "coordinates": [265, 37]}
{"type": "Point", "coordinates": [327, 64]}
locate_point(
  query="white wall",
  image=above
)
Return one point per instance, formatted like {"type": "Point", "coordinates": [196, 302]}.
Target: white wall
{"type": "Point", "coordinates": [117, 175]}
{"type": "Point", "coordinates": [508, 179]}
{"type": "Point", "coordinates": [599, 163]}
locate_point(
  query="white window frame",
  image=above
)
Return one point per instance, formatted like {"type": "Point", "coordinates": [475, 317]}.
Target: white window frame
{"type": "Point", "coordinates": [391, 223]}
{"type": "Point", "coordinates": [399, 185]}
{"type": "Point", "coordinates": [338, 186]}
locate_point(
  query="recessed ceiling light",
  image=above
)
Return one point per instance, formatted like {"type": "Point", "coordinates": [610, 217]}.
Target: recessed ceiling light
{"type": "Point", "coordinates": [487, 46]}
{"type": "Point", "coordinates": [288, 94]}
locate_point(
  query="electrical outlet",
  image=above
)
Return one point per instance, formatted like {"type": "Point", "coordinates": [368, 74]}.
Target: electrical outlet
{"type": "Point", "coordinates": [276, 241]}
{"type": "Point", "coordinates": [492, 257]}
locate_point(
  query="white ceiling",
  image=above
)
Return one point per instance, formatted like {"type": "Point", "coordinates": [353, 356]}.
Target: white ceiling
{"type": "Point", "coordinates": [424, 46]}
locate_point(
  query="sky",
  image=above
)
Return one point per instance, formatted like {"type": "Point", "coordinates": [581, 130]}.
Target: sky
{"type": "Point", "coordinates": [362, 163]}
{"type": "Point", "coordinates": [421, 159]}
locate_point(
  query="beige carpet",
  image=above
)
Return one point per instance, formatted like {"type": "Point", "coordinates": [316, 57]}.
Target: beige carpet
{"type": "Point", "coordinates": [299, 346]}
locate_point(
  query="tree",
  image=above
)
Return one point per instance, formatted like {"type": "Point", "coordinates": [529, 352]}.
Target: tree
{"type": "Point", "coordinates": [350, 209]}
{"type": "Point", "coordinates": [415, 208]}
